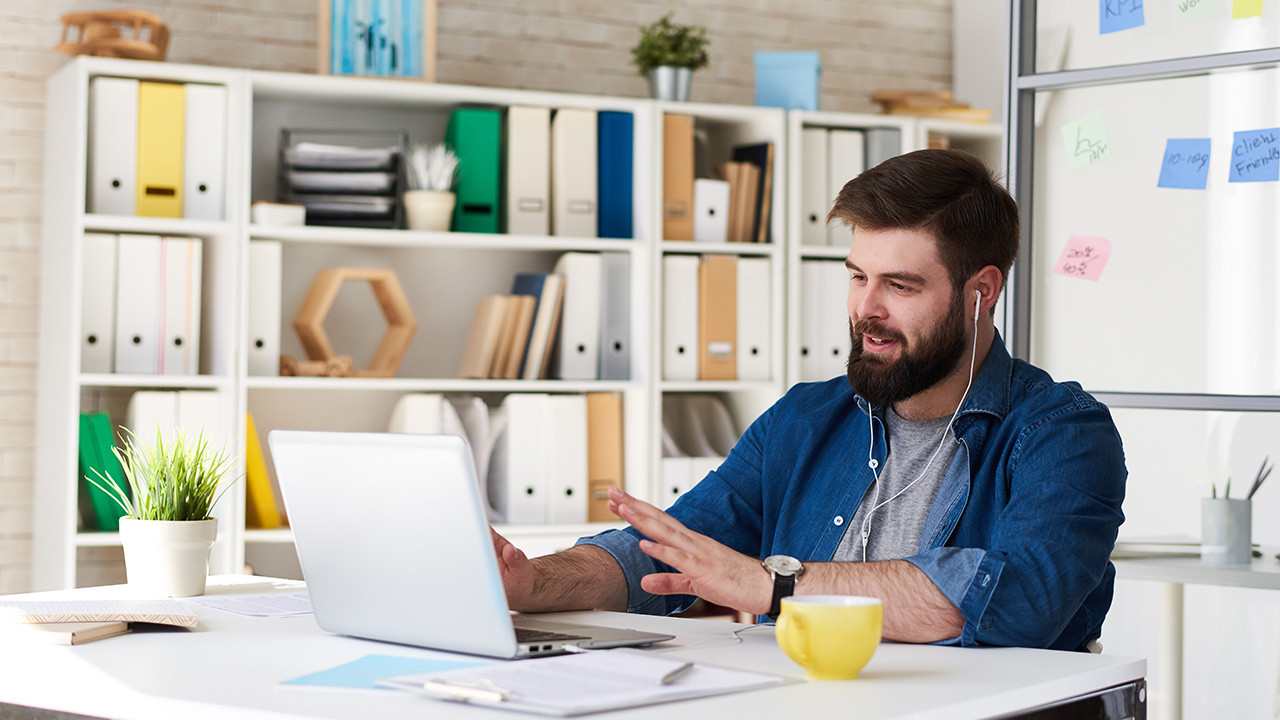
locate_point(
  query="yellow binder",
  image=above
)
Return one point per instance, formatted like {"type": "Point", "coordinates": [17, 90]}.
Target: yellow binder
{"type": "Point", "coordinates": [260, 505]}
{"type": "Point", "coordinates": [161, 111]}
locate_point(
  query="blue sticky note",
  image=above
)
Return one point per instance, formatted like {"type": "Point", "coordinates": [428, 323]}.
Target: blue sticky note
{"type": "Point", "coordinates": [1116, 15]}
{"type": "Point", "coordinates": [1255, 156]}
{"type": "Point", "coordinates": [365, 672]}
{"type": "Point", "coordinates": [1186, 164]}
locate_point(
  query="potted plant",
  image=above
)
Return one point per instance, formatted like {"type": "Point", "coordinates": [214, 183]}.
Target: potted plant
{"type": "Point", "coordinates": [167, 532]}
{"type": "Point", "coordinates": [668, 54]}
{"type": "Point", "coordinates": [429, 201]}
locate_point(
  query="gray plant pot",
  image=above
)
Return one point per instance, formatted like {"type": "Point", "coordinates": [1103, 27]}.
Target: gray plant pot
{"type": "Point", "coordinates": [670, 83]}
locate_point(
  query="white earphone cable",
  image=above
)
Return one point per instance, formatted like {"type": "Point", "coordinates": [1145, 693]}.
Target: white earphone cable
{"type": "Point", "coordinates": [872, 463]}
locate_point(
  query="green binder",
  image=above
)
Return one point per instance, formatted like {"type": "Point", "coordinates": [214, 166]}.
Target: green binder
{"type": "Point", "coordinates": [95, 454]}
{"type": "Point", "coordinates": [476, 136]}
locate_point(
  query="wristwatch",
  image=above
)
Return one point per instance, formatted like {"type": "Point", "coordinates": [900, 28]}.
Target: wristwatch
{"type": "Point", "coordinates": [785, 570]}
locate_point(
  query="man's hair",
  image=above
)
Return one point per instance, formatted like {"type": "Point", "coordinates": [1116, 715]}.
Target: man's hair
{"type": "Point", "coordinates": [949, 193]}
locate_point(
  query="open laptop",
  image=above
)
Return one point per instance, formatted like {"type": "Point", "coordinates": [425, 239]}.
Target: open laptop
{"type": "Point", "coordinates": [394, 546]}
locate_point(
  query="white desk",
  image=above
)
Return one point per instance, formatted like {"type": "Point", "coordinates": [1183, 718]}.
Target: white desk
{"type": "Point", "coordinates": [231, 666]}
{"type": "Point", "coordinates": [1173, 573]}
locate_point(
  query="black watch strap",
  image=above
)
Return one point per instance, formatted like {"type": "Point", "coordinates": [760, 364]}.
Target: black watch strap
{"type": "Point", "coordinates": [783, 586]}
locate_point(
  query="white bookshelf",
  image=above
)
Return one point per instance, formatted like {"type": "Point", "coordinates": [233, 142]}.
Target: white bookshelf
{"type": "Point", "coordinates": [63, 390]}
{"type": "Point", "coordinates": [726, 127]}
{"type": "Point", "coordinates": [443, 274]}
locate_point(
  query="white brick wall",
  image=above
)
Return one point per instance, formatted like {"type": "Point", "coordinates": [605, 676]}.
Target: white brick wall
{"type": "Point", "coordinates": [560, 45]}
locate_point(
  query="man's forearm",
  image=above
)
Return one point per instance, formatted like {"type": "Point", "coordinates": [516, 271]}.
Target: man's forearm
{"type": "Point", "coordinates": [914, 609]}
{"type": "Point", "coordinates": [584, 577]}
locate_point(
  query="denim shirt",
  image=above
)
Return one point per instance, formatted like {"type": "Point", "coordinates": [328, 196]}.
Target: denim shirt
{"type": "Point", "coordinates": [1019, 535]}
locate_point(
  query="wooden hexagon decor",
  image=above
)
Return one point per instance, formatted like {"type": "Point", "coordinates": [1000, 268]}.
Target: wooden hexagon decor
{"type": "Point", "coordinates": [309, 322]}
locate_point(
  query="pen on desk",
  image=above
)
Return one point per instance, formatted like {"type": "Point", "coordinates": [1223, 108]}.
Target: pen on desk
{"type": "Point", "coordinates": [676, 674]}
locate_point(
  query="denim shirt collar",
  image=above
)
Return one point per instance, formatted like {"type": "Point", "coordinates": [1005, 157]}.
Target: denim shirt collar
{"type": "Point", "coordinates": [989, 394]}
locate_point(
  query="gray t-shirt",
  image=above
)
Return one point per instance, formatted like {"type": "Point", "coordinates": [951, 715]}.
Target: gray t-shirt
{"type": "Point", "coordinates": [895, 527]}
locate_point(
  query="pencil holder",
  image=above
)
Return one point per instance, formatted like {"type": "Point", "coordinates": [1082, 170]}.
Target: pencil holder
{"type": "Point", "coordinates": [1226, 528]}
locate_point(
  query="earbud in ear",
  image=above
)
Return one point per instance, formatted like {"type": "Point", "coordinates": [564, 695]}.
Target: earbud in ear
{"type": "Point", "coordinates": [977, 302]}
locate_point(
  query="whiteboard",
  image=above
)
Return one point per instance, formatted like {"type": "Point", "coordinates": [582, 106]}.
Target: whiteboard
{"type": "Point", "coordinates": [1187, 300]}
{"type": "Point", "coordinates": [1069, 37]}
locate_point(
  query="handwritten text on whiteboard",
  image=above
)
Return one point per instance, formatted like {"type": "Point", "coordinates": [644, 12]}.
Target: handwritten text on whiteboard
{"type": "Point", "coordinates": [1083, 257]}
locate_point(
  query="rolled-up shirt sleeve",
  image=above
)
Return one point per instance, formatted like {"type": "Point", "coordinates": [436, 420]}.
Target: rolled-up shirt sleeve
{"type": "Point", "coordinates": [624, 546]}
{"type": "Point", "coordinates": [1050, 545]}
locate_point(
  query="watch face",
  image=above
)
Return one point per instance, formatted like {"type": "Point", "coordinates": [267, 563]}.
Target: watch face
{"type": "Point", "coordinates": [783, 565]}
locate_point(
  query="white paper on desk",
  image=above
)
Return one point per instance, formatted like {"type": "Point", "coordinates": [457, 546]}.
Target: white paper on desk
{"type": "Point", "coordinates": [591, 682]}
{"type": "Point", "coordinates": [264, 605]}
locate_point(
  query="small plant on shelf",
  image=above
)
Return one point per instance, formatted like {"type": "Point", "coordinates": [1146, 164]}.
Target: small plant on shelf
{"type": "Point", "coordinates": [665, 44]}
{"type": "Point", "coordinates": [429, 201]}
{"type": "Point", "coordinates": [433, 167]}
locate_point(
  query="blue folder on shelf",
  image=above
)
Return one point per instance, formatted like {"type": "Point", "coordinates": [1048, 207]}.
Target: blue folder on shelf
{"type": "Point", "coordinates": [614, 156]}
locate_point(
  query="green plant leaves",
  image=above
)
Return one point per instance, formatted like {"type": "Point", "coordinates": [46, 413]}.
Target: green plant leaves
{"type": "Point", "coordinates": [664, 43]}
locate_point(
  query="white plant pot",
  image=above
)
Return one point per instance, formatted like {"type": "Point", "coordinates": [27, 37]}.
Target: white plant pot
{"type": "Point", "coordinates": [429, 210]}
{"type": "Point", "coordinates": [167, 558]}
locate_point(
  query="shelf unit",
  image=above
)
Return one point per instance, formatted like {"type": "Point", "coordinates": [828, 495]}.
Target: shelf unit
{"type": "Point", "coordinates": [725, 127]}
{"type": "Point", "coordinates": [442, 273]}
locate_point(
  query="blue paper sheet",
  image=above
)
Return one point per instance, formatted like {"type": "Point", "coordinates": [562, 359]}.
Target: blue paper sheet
{"type": "Point", "coordinates": [363, 673]}
{"type": "Point", "coordinates": [1116, 15]}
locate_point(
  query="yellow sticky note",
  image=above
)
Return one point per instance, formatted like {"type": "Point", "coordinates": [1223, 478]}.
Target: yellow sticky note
{"type": "Point", "coordinates": [1246, 8]}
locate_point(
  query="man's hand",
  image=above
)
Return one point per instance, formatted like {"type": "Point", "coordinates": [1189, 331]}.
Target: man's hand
{"type": "Point", "coordinates": [580, 578]}
{"type": "Point", "coordinates": [707, 568]}
{"type": "Point", "coordinates": [516, 570]}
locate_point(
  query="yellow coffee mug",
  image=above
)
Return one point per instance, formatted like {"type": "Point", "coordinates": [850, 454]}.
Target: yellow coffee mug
{"type": "Point", "coordinates": [831, 636]}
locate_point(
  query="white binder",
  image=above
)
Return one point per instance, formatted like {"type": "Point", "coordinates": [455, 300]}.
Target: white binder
{"type": "Point", "coordinates": [197, 412]}
{"type": "Point", "coordinates": [567, 459]}
{"type": "Point", "coordinates": [812, 322]}
{"type": "Point", "coordinates": [113, 145]}
{"type": "Point", "coordinates": [265, 257]}
{"type": "Point", "coordinates": [98, 303]}
{"type": "Point", "coordinates": [205, 152]}
{"type": "Point", "coordinates": [615, 317]}
{"type": "Point", "coordinates": [528, 170]}
{"type": "Point", "coordinates": [754, 317]}
{"type": "Point", "coordinates": [814, 203]}
{"type": "Point", "coordinates": [573, 173]}
{"type": "Point", "coordinates": [680, 317]}
{"type": "Point", "coordinates": [710, 210]}
{"type": "Point", "coordinates": [677, 478]}
{"type": "Point", "coordinates": [180, 311]}
{"type": "Point", "coordinates": [419, 413]}
{"type": "Point", "coordinates": [473, 414]}
{"type": "Point", "coordinates": [518, 469]}
{"type": "Point", "coordinates": [138, 304]}
{"type": "Point", "coordinates": [847, 161]}
{"type": "Point", "coordinates": [577, 353]}
{"type": "Point", "coordinates": [835, 311]}
{"type": "Point", "coordinates": [150, 411]}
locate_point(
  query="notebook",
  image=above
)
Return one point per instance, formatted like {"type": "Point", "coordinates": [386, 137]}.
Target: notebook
{"type": "Point", "coordinates": [394, 546]}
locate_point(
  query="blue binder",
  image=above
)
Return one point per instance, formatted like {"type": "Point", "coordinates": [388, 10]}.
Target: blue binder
{"type": "Point", "coordinates": [529, 284]}
{"type": "Point", "coordinates": [614, 158]}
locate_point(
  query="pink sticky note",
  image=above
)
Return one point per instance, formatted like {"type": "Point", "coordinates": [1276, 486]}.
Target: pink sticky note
{"type": "Point", "coordinates": [1083, 257]}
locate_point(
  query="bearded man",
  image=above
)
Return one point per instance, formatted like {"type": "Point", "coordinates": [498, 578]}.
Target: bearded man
{"type": "Point", "coordinates": [973, 494]}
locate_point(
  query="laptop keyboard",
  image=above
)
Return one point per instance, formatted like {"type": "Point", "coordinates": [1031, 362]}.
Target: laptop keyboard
{"type": "Point", "coordinates": [529, 635]}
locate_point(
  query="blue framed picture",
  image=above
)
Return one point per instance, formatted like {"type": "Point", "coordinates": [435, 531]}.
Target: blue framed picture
{"type": "Point", "coordinates": [389, 38]}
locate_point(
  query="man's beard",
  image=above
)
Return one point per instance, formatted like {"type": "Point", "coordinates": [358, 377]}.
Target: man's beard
{"type": "Point", "coordinates": [919, 367]}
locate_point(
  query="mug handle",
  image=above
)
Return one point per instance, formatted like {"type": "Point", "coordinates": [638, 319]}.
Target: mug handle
{"type": "Point", "coordinates": [795, 632]}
